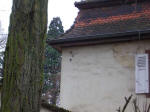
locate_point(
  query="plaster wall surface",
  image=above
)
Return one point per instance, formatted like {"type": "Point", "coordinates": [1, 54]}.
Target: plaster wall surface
{"type": "Point", "coordinates": [97, 78]}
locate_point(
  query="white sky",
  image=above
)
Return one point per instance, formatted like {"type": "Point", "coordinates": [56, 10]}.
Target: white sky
{"type": "Point", "coordinates": [57, 8]}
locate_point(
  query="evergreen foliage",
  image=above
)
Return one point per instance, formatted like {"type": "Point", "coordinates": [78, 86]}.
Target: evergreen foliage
{"type": "Point", "coordinates": [55, 28]}
{"type": "Point", "coordinates": [52, 56]}
{"type": "Point", "coordinates": [52, 63]}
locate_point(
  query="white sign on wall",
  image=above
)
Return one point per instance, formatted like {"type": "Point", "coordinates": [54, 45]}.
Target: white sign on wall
{"type": "Point", "coordinates": [142, 73]}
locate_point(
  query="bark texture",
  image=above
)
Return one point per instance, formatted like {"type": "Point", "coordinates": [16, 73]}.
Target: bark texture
{"type": "Point", "coordinates": [23, 65]}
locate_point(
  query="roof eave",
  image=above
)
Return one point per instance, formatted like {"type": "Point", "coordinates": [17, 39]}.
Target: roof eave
{"type": "Point", "coordinates": [99, 39]}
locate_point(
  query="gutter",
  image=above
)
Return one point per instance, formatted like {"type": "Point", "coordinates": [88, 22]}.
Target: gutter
{"type": "Point", "coordinates": [103, 38]}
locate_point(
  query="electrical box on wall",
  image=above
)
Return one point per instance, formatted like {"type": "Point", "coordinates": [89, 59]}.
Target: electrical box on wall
{"type": "Point", "coordinates": [142, 73]}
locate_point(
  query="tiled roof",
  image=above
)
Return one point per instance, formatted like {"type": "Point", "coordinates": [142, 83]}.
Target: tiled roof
{"type": "Point", "coordinates": [126, 17]}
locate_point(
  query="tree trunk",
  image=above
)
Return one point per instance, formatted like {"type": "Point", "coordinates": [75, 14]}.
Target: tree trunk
{"type": "Point", "coordinates": [23, 65]}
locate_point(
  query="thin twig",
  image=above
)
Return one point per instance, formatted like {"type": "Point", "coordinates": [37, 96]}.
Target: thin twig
{"type": "Point", "coordinates": [127, 102]}
{"type": "Point", "coordinates": [148, 108]}
{"type": "Point", "coordinates": [118, 110]}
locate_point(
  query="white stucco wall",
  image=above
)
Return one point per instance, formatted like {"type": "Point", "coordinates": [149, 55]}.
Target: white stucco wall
{"type": "Point", "coordinates": [97, 78]}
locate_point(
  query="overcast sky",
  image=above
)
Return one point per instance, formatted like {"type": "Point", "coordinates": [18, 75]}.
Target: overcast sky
{"type": "Point", "coordinates": [57, 8]}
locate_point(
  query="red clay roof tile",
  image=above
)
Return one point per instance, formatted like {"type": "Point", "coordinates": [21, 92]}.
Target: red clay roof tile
{"type": "Point", "coordinates": [112, 19]}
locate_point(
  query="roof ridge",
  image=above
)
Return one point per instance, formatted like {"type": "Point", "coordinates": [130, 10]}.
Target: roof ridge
{"type": "Point", "coordinates": [104, 3]}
